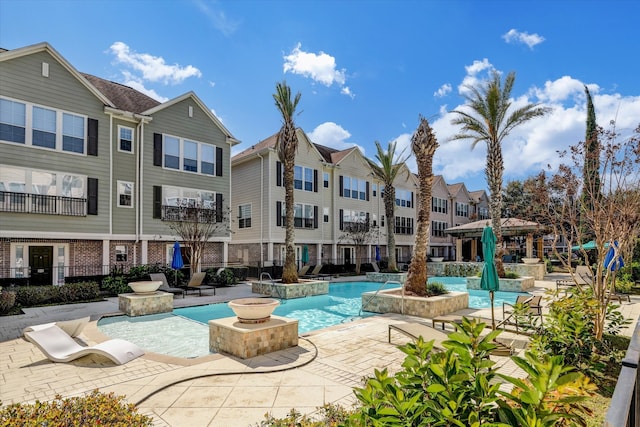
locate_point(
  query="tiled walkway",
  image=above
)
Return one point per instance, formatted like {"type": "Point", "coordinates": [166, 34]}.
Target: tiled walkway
{"type": "Point", "coordinates": [215, 390]}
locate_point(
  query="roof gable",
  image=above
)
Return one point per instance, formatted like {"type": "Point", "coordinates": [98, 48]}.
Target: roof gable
{"type": "Point", "coordinates": [123, 97]}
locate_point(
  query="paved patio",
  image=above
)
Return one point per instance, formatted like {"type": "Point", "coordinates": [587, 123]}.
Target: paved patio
{"type": "Point", "coordinates": [216, 390]}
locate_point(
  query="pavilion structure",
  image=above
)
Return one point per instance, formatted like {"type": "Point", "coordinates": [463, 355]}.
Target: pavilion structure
{"type": "Point", "coordinates": [510, 227]}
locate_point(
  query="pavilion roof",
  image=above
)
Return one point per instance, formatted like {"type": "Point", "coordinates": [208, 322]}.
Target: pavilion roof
{"type": "Point", "coordinates": [510, 227]}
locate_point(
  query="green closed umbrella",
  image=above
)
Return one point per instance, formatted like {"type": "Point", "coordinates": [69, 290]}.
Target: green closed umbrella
{"type": "Point", "coordinates": [489, 279]}
{"type": "Point", "coordinates": [305, 254]}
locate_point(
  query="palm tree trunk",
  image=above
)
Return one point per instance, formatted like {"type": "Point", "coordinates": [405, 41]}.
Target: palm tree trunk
{"type": "Point", "coordinates": [289, 271]}
{"type": "Point", "coordinates": [389, 211]}
{"type": "Point", "coordinates": [495, 167]}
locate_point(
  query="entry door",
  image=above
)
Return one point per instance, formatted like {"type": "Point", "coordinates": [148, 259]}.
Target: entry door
{"type": "Point", "coordinates": [41, 264]}
{"type": "Point", "coordinates": [347, 254]}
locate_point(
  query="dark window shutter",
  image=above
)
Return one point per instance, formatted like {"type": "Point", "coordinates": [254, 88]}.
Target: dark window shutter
{"type": "Point", "coordinates": [412, 205]}
{"type": "Point", "coordinates": [341, 188]}
{"type": "Point", "coordinates": [218, 161]}
{"type": "Point", "coordinates": [92, 137]}
{"type": "Point", "coordinates": [219, 213]}
{"type": "Point", "coordinates": [367, 219]}
{"type": "Point", "coordinates": [315, 217]}
{"type": "Point", "coordinates": [92, 199]}
{"type": "Point", "coordinates": [157, 201]}
{"type": "Point", "coordinates": [279, 174]}
{"type": "Point", "coordinates": [157, 150]}
{"type": "Point", "coordinates": [367, 191]}
{"type": "Point", "coordinates": [279, 213]}
{"type": "Point", "coordinates": [315, 180]}
{"type": "Point", "coordinates": [341, 213]}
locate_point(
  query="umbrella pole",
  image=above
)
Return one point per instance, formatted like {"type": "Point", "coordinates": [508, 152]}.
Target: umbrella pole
{"type": "Point", "coordinates": [493, 317]}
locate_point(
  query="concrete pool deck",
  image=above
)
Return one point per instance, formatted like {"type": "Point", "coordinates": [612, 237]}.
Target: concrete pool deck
{"type": "Point", "coordinates": [322, 369]}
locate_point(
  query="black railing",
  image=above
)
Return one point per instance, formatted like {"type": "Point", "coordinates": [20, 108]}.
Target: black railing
{"type": "Point", "coordinates": [196, 214]}
{"type": "Point", "coordinates": [42, 204]}
{"type": "Point", "coordinates": [624, 409]}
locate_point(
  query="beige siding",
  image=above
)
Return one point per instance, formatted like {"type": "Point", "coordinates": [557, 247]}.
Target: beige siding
{"type": "Point", "coordinates": [21, 79]}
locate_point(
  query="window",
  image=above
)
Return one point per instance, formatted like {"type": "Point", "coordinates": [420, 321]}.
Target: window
{"type": "Point", "coordinates": [483, 213]}
{"type": "Point", "coordinates": [244, 216]}
{"type": "Point", "coordinates": [438, 205]}
{"type": "Point", "coordinates": [188, 197]}
{"type": "Point", "coordinates": [438, 227]}
{"type": "Point", "coordinates": [121, 253]}
{"type": "Point", "coordinates": [187, 204]}
{"type": "Point", "coordinates": [72, 133]}
{"type": "Point", "coordinates": [404, 225]}
{"type": "Point", "coordinates": [126, 139]}
{"type": "Point", "coordinates": [13, 119]}
{"type": "Point", "coordinates": [354, 220]}
{"type": "Point", "coordinates": [374, 220]}
{"type": "Point", "coordinates": [325, 180]}
{"type": "Point", "coordinates": [354, 188]}
{"type": "Point", "coordinates": [325, 214]}
{"type": "Point", "coordinates": [125, 194]}
{"type": "Point", "coordinates": [374, 190]}
{"type": "Point", "coordinates": [302, 178]}
{"type": "Point", "coordinates": [188, 156]}
{"type": "Point", "coordinates": [43, 127]}
{"type": "Point", "coordinates": [462, 209]}
{"type": "Point", "coordinates": [303, 215]}
{"type": "Point", "coordinates": [404, 198]}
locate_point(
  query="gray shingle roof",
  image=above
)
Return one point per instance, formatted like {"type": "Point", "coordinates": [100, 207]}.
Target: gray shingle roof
{"type": "Point", "coordinates": [123, 97]}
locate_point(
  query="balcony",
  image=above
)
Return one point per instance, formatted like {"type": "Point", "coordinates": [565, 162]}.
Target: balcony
{"type": "Point", "coordinates": [42, 204]}
{"type": "Point", "coordinates": [190, 214]}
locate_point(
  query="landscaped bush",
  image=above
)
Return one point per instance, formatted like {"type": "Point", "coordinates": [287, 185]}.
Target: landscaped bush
{"type": "Point", "coordinates": [31, 296]}
{"type": "Point", "coordinates": [568, 330]}
{"type": "Point", "coordinates": [436, 288]}
{"type": "Point", "coordinates": [7, 301]}
{"type": "Point", "coordinates": [511, 275]}
{"type": "Point", "coordinates": [224, 277]}
{"type": "Point", "coordinates": [461, 269]}
{"type": "Point", "coordinates": [91, 410]}
{"type": "Point", "coordinates": [328, 416]}
{"type": "Point", "coordinates": [118, 281]}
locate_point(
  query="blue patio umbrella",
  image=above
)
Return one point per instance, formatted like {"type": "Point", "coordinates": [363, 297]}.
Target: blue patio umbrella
{"type": "Point", "coordinates": [176, 261]}
{"type": "Point", "coordinates": [613, 263]}
{"type": "Point", "coordinates": [377, 253]}
{"type": "Point", "coordinates": [305, 254]}
{"type": "Point", "coordinates": [489, 279]}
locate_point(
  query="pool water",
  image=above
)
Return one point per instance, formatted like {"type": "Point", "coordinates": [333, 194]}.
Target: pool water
{"type": "Point", "coordinates": [185, 332]}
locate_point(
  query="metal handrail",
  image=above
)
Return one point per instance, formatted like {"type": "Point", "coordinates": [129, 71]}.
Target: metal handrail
{"type": "Point", "coordinates": [273, 286]}
{"type": "Point", "coordinates": [378, 291]}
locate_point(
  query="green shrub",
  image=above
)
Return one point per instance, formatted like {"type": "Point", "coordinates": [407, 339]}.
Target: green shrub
{"type": "Point", "coordinates": [548, 265]}
{"type": "Point", "coordinates": [328, 415]}
{"type": "Point", "coordinates": [81, 291]}
{"type": "Point", "coordinates": [225, 277]}
{"type": "Point", "coordinates": [90, 410]}
{"type": "Point", "coordinates": [436, 288]}
{"type": "Point", "coordinates": [30, 296]}
{"type": "Point", "coordinates": [7, 301]}
{"type": "Point", "coordinates": [116, 284]}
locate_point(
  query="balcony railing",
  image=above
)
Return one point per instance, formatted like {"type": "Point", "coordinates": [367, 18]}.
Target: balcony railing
{"type": "Point", "coordinates": [42, 204]}
{"type": "Point", "coordinates": [197, 214]}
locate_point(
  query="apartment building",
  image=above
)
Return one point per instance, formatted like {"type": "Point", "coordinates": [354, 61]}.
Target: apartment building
{"type": "Point", "coordinates": [92, 172]}
{"type": "Point", "coordinates": [335, 193]}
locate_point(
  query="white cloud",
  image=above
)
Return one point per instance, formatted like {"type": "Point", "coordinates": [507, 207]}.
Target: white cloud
{"type": "Point", "coordinates": [515, 36]}
{"type": "Point", "coordinates": [319, 67]}
{"type": "Point", "coordinates": [472, 79]}
{"type": "Point", "coordinates": [332, 135]}
{"type": "Point", "coordinates": [442, 91]}
{"type": "Point", "coordinates": [153, 68]}
{"type": "Point", "coordinates": [218, 18]}
{"type": "Point", "coordinates": [135, 83]}
{"type": "Point", "coordinates": [534, 145]}
{"type": "Point", "coordinates": [346, 91]}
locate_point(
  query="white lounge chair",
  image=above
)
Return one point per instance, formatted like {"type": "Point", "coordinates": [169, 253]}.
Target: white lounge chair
{"type": "Point", "coordinates": [73, 328]}
{"type": "Point", "coordinates": [165, 284]}
{"type": "Point", "coordinates": [58, 346]}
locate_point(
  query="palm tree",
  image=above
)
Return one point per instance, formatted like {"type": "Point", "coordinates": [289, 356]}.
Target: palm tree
{"type": "Point", "coordinates": [387, 171]}
{"type": "Point", "coordinates": [287, 147]}
{"type": "Point", "coordinates": [423, 145]}
{"type": "Point", "coordinates": [488, 121]}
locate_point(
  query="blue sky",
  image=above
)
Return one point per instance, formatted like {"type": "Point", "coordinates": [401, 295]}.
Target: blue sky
{"type": "Point", "coordinates": [366, 69]}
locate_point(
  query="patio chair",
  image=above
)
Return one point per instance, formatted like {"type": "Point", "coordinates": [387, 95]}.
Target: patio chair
{"type": "Point", "coordinates": [165, 285]}
{"type": "Point", "coordinates": [195, 284]}
{"type": "Point", "coordinates": [417, 329]}
{"type": "Point", "coordinates": [304, 270]}
{"type": "Point", "coordinates": [315, 273]}
{"type": "Point", "coordinates": [59, 347]}
{"type": "Point", "coordinates": [73, 328]}
{"type": "Point", "coordinates": [376, 269]}
{"type": "Point", "coordinates": [583, 276]}
{"type": "Point", "coordinates": [531, 302]}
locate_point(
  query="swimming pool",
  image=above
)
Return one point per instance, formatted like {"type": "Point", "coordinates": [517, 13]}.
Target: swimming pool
{"type": "Point", "coordinates": [185, 332]}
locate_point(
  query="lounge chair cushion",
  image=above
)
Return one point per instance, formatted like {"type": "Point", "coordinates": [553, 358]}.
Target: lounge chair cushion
{"type": "Point", "coordinates": [58, 346]}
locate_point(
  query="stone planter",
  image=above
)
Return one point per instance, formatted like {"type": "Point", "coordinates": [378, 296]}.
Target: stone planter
{"type": "Point", "coordinates": [391, 301]}
{"type": "Point", "coordinates": [386, 277]}
{"type": "Point", "coordinates": [304, 288]}
{"type": "Point", "coordinates": [507, 285]}
{"type": "Point", "coordinates": [531, 260]}
{"type": "Point", "coordinates": [437, 259]}
{"type": "Point", "coordinates": [253, 310]}
{"type": "Point", "coordinates": [145, 287]}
